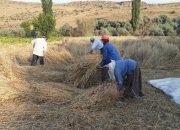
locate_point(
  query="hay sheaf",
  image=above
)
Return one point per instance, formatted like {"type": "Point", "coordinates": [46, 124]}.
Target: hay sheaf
{"type": "Point", "coordinates": [102, 96]}
{"type": "Point", "coordinates": [83, 73]}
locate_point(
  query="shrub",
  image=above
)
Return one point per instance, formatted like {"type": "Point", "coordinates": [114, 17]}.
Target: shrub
{"type": "Point", "coordinates": [104, 31]}
{"type": "Point", "coordinates": [163, 24]}
{"type": "Point", "coordinates": [112, 31]}
{"type": "Point", "coordinates": [66, 30]}
{"type": "Point", "coordinates": [155, 30]}
{"type": "Point", "coordinates": [104, 26]}
{"type": "Point", "coordinates": [55, 33]}
{"type": "Point", "coordinates": [168, 30]}
{"type": "Point", "coordinates": [144, 25]}
{"type": "Point", "coordinates": [162, 19]}
{"type": "Point", "coordinates": [26, 25]}
{"type": "Point", "coordinates": [146, 20]}
{"type": "Point", "coordinates": [122, 32]}
{"type": "Point", "coordinates": [127, 26]}
{"type": "Point", "coordinates": [101, 23]}
{"type": "Point", "coordinates": [13, 32]}
{"type": "Point", "coordinates": [118, 25]}
{"type": "Point", "coordinates": [112, 24]}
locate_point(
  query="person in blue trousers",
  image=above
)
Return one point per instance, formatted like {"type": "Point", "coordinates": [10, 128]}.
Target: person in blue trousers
{"type": "Point", "coordinates": [128, 70]}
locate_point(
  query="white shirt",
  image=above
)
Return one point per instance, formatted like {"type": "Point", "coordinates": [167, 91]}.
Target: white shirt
{"type": "Point", "coordinates": [40, 46]}
{"type": "Point", "coordinates": [97, 44]}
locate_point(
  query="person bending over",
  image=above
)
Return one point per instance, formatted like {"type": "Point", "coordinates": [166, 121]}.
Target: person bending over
{"type": "Point", "coordinates": [39, 48]}
{"type": "Point", "coordinates": [128, 70]}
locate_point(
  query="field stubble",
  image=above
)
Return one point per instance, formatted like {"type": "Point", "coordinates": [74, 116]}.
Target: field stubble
{"type": "Point", "coordinates": [51, 97]}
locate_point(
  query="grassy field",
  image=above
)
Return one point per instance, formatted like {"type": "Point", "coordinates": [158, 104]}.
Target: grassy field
{"type": "Point", "coordinates": [66, 93]}
{"type": "Point", "coordinates": [19, 40]}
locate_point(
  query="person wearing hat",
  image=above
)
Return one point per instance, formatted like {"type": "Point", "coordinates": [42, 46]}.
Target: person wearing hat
{"type": "Point", "coordinates": [95, 44]}
{"type": "Point", "coordinates": [39, 48]}
{"type": "Point", "coordinates": [129, 70]}
{"type": "Point", "coordinates": [110, 55]}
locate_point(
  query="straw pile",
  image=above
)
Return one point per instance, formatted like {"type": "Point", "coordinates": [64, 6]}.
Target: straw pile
{"type": "Point", "coordinates": [44, 97]}
{"type": "Point", "coordinates": [101, 96]}
{"type": "Point", "coordinates": [83, 73]}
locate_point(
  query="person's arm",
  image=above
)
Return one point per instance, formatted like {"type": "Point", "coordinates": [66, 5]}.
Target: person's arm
{"type": "Point", "coordinates": [91, 51]}
{"type": "Point", "coordinates": [118, 76]}
{"type": "Point", "coordinates": [33, 43]}
{"type": "Point", "coordinates": [45, 46]}
{"type": "Point", "coordinates": [105, 59]}
{"type": "Point", "coordinates": [119, 79]}
{"type": "Point", "coordinates": [94, 45]}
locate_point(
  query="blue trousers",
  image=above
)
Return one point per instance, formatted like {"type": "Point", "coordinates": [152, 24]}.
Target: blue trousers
{"type": "Point", "coordinates": [35, 58]}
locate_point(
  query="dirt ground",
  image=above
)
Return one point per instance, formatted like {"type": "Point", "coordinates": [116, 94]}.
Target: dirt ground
{"type": "Point", "coordinates": [47, 97]}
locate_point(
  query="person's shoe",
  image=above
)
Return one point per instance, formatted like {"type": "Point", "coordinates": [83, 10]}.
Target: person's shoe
{"type": "Point", "coordinates": [141, 94]}
{"type": "Point", "coordinates": [120, 101]}
{"type": "Point", "coordinates": [139, 97]}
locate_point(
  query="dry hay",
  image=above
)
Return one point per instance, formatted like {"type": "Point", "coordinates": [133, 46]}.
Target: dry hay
{"type": "Point", "coordinates": [6, 67]}
{"type": "Point", "coordinates": [35, 100]}
{"type": "Point", "coordinates": [101, 96]}
{"type": "Point", "coordinates": [58, 57]}
{"type": "Point", "coordinates": [83, 72]}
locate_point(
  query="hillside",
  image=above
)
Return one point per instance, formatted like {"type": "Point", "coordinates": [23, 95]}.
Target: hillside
{"type": "Point", "coordinates": [13, 13]}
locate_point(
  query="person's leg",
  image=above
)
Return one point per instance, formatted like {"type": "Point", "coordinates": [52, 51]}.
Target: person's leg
{"type": "Point", "coordinates": [128, 86]}
{"type": "Point", "coordinates": [34, 60]}
{"type": "Point", "coordinates": [41, 60]}
{"type": "Point", "coordinates": [111, 67]}
{"type": "Point", "coordinates": [137, 82]}
{"type": "Point", "coordinates": [140, 83]}
{"type": "Point", "coordinates": [104, 72]}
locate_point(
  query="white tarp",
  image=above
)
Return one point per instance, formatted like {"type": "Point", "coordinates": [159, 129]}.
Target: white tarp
{"type": "Point", "coordinates": [170, 86]}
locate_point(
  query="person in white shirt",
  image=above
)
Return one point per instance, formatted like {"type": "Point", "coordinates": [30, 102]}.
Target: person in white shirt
{"type": "Point", "coordinates": [96, 44]}
{"type": "Point", "coordinates": [39, 48]}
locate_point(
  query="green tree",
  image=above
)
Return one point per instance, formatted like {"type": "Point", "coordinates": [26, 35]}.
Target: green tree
{"type": "Point", "coordinates": [47, 6]}
{"type": "Point", "coordinates": [178, 25]}
{"type": "Point", "coordinates": [136, 4]}
{"type": "Point", "coordinates": [26, 25]}
{"type": "Point", "coordinates": [44, 23]}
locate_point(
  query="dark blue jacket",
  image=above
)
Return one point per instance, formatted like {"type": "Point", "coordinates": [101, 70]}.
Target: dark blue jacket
{"type": "Point", "coordinates": [109, 53]}
{"type": "Point", "coordinates": [123, 68]}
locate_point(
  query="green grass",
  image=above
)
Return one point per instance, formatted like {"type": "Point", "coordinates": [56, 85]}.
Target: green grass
{"type": "Point", "coordinates": [53, 38]}
{"type": "Point", "coordinates": [19, 40]}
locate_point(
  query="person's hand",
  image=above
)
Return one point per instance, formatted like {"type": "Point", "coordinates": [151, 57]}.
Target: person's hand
{"type": "Point", "coordinates": [90, 52]}
{"type": "Point", "coordinates": [98, 67]}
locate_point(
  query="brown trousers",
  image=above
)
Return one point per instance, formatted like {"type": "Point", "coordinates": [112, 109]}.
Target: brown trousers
{"type": "Point", "coordinates": [104, 74]}
{"type": "Point", "coordinates": [133, 86]}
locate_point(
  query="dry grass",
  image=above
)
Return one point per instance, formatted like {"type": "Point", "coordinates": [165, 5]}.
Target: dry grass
{"type": "Point", "coordinates": [48, 98]}
{"type": "Point", "coordinates": [151, 52]}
